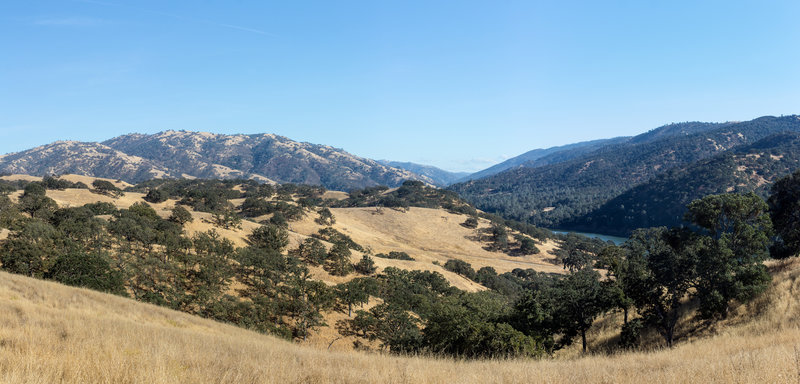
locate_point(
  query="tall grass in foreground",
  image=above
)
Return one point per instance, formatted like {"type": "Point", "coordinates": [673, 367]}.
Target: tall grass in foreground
{"type": "Point", "coordinates": [51, 333]}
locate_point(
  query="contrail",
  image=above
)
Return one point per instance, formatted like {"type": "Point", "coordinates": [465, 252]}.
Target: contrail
{"type": "Point", "coordinates": [179, 17]}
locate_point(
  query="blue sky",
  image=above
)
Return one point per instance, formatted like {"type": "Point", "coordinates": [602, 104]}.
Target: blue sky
{"type": "Point", "coordinates": [456, 84]}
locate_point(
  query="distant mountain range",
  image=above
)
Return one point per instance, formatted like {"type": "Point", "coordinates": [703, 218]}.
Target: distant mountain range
{"type": "Point", "coordinates": [543, 156]}
{"type": "Point", "coordinates": [176, 154]}
{"type": "Point", "coordinates": [645, 180]}
{"type": "Point", "coordinates": [609, 186]}
{"type": "Point", "coordinates": [438, 177]}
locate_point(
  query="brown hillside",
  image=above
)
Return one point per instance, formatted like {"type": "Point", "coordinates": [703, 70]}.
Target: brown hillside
{"type": "Point", "coordinates": [52, 333]}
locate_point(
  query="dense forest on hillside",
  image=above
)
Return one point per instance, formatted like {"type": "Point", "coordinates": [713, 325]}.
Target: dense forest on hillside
{"type": "Point", "coordinates": [560, 193]}
{"type": "Point", "coordinates": [663, 200]}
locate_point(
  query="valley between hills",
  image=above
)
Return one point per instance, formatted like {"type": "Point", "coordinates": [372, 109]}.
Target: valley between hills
{"type": "Point", "coordinates": [234, 258]}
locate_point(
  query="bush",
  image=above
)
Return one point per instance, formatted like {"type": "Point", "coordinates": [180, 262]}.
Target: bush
{"type": "Point", "coordinates": [471, 223]}
{"type": "Point", "coordinates": [629, 338]}
{"type": "Point", "coordinates": [395, 255]}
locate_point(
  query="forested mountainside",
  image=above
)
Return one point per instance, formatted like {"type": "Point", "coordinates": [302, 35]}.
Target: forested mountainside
{"type": "Point", "coordinates": [554, 154]}
{"type": "Point", "coordinates": [439, 177]}
{"type": "Point", "coordinates": [556, 194]}
{"type": "Point", "coordinates": [176, 154]}
{"type": "Point", "coordinates": [662, 201]}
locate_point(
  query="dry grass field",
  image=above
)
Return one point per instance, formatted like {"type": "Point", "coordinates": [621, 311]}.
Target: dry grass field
{"type": "Point", "coordinates": [51, 333]}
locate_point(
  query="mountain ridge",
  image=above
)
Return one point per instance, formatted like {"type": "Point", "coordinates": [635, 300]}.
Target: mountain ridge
{"type": "Point", "coordinates": [557, 193]}
{"type": "Point", "coordinates": [184, 154]}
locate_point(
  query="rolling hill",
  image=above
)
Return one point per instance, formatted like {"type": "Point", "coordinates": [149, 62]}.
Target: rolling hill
{"type": "Point", "coordinates": [54, 333]}
{"type": "Point", "coordinates": [432, 237]}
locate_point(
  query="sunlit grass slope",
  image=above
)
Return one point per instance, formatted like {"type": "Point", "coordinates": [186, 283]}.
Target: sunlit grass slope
{"type": "Point", "coordinates": [50, 333]}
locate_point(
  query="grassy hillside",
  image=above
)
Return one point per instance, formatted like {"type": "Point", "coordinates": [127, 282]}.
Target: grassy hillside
{"type": "Point", "coordinates": [431, 236]}
{"type": "Point", "coordinates": [53, 333]}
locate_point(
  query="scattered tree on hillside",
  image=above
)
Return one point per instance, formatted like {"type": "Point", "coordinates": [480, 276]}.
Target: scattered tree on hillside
{"type": "Point", "coordinates": [662, 269]}
{"type": "Point", "coordinates": [307, 298]}
{"type": "Point", "coordinates": [325, 217]}
{"type": "Point", "coordinates": [338, 261]}
{"type": "Point", "coordinates": [227, 219]}
{"type": "Point", "coordinates": [577, 300]}
{"type": "Point", "coordinates": [365, 266]}
{"type": "Point", "coordinates": [35, 202]}
{"type": "Point", "coordinates": [527, 246]}
{"type": "Point", "coordinates": [106, 188]}
{"type": "Point", "coordinates": [355, 292]}
{"type": "Point", "coordinates": [181, 215]}
{"type": "Point", "coordinates": [471, 222]}
{"type": "Point", "coordinates": [156, 196]}
{"type": "Point", "coordinates": [312, 251]}
{"type": "Point", "coordinates": [499, 237]}
{"type": "Point", "coordinates": [460, 267]}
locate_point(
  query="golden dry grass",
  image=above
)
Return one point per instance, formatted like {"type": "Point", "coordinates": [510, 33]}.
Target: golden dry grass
{"type": "Point", "coordinates": [51, 333]}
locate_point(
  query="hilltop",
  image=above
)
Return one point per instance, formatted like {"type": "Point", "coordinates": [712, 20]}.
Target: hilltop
{"type": "Point", "coordinates": [182, 154]}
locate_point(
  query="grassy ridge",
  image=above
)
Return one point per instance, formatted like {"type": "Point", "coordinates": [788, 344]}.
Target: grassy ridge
{"type": "Point", "coordinates": [52, 333]}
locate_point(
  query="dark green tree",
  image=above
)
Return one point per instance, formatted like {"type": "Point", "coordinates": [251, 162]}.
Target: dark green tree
{"type": "Point", "coordinates": [355, 292]}
{"type": "Point", "coordinates": [338, 261]}
{"type": "Point", "coordinates": [730, 265]}
{"type": "Point", "coordinates": [90, 270]}
{"type": "Point", "coordinates": [306, 299]}
{"type": "Point", "coordinates": [35, 202]}
{"type": "Point", "coordinates": [31, 250]}
{"type": "Point", "coordinates": [527, 246]}
{"type": "Point", "coordinates": [180, 215]}
{"type": "Point", "coordinates": [325, 217]}
{"type": "Point", "coordinates": [471, 222]}
{"type": "Point", "coordinates": [365, 266]}
{"type": "Point", "coordinates": [460, 267]}
{"type": "Point", "coordinates": [269, 237]}
{"type": "Point", "coordinates": [311, 251]}
{"type": "Point", "coordinates": [156, 196]}
{"type": "Point", "coordinates": [107, 188]}
{"type": "Point", "coordinates": [499, 237]}
{"type": "Point", "coordinates": [784, 207]}
{"type": "Point", "coordinates": [662, 268]}
{"type": "Point", "coordinates": [577, 300]}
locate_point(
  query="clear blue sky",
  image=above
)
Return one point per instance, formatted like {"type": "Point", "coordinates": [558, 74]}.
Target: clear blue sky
{"type": "Point", "coordinates": [456, 84]}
